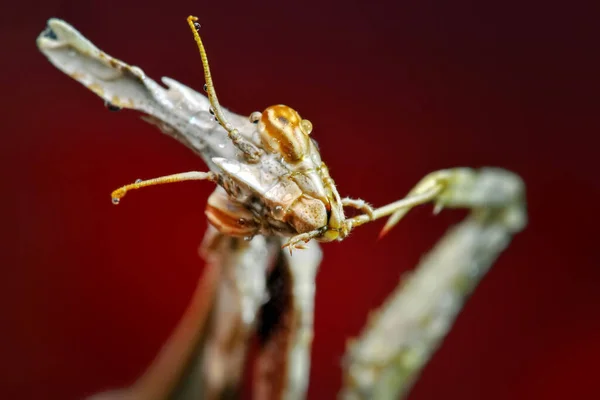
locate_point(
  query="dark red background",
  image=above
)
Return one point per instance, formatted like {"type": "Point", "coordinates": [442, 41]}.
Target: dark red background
{"type": "Point", "coordinates": [395, 90]}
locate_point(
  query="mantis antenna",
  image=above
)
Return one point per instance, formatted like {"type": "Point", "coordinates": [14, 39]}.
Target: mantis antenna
{"type": "Point", "coordinates": [251, 152]}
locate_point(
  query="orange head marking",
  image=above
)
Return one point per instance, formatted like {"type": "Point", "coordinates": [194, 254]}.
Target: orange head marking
{"type": "Point", "coordinates": [283, 131]}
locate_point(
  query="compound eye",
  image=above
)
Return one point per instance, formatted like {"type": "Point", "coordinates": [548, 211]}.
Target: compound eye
{"type": "Point", "coordinates": [282, 131]}
{"type": "Point", "coordinates": [306, 126]}
{"type": "Point", "coordinates": [255, 117]}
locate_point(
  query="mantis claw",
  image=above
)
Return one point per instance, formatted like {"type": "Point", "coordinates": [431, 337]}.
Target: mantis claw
{"type": "Point", "coordinates": [361, 205]}
{"type": "Point", "coordinates": [296, 244]}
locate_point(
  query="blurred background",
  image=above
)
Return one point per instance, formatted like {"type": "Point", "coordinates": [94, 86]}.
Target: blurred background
{"type": "Point", "coordinates": [395, 89]}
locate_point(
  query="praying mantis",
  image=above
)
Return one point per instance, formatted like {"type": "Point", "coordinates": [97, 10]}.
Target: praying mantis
{"type": "Point", "coordinates": [278, 184]}
{"type": "Point", "coordinates": [274, 192]}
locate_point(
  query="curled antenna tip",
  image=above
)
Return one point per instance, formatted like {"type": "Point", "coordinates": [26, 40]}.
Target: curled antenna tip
{"type": "Point", "coordinates": [193, 22]}
{"type": "Point", "coordinates": [117, 195]}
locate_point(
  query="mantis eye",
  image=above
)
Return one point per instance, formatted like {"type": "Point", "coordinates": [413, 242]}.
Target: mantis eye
{"type": "Point", "coordinates": [283, 131]}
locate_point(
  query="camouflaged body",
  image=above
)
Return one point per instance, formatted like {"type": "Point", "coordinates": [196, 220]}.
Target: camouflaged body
{"type": "Point", "coordinates": [288, 192]}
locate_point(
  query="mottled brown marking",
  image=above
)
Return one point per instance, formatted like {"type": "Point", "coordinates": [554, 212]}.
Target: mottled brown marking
{"type": "Point", "coordinates": [96, 88]}
{"type": "Point", "coordinates": [307, 214]}
{"type": "Point", "coordinates": [115, 64]}
{"type": "Point", "coordinates": [228, 217]}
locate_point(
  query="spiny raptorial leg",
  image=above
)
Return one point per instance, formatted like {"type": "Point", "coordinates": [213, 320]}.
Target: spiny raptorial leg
{"type": "Point", "coordinates": [429, 189]}
{"type": "Point", "coordinates": [359, 204]}
{"type": "Point", "coordinates": [118, 194]}
{"type": "Point", "coordinates": [251, 152]}
{"type": "Point", "coordinates": [298, 242]}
